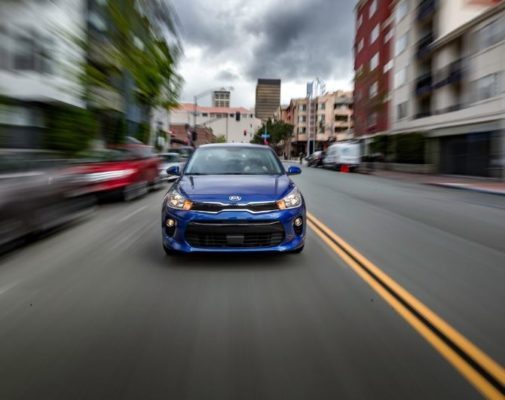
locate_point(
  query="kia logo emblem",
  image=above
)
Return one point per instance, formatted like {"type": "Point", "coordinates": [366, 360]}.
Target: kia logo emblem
{"type": "Point", "coordinates": [235, 198]}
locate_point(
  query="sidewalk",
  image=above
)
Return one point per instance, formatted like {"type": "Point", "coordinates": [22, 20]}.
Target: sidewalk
{"type": "Point", "coordinates": [472, 184]}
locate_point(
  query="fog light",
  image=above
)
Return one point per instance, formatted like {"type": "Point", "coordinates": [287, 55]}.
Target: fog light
{"type": "Point", "coordinates": [298, 225]}
{"type": "Point", "coordinates": [170, 226]}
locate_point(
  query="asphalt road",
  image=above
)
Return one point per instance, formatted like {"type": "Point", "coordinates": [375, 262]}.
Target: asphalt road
{"type": "Point", "coordinates": [97, 311]}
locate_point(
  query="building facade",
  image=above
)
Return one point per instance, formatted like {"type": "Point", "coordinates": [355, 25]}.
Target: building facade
{"type": "Point", "coordinates": [449, 83]}
{"type": "Point", "coordinates": [330, 117]}
{"type": "Point", "coordinates": [372, 65]}
{"type": "Point", "coordinates": [236, 124]}
{"type": "Point", "coordinates": [221, 98]}
{"type": "Point", "coordinates": [34, 73]}
{"type": "Point", "coordinates": [268, 98]}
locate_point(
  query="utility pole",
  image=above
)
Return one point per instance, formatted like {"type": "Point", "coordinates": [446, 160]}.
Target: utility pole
{"type": "Point", "coordinates": [194, 111]}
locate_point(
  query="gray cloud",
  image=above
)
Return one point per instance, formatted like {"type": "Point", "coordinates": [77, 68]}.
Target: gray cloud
{"type": "Point", "coordinates": [227, 76]}
{"type": "Point", "coordinates": [311, 39]}
{"type": "Point", "coordinates": [234, 42]}
{"type": "Point", "coordinates": [292, 41]}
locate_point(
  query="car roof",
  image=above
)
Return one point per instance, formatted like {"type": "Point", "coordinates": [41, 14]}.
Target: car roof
{"type": "Point", "coordinates": [249, 145]}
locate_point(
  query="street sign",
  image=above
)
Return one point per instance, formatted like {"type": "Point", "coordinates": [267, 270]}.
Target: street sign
{"type": "Point", "coordinates": [265, 136]}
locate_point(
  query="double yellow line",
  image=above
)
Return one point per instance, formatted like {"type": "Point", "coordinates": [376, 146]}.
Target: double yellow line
{"type": "Point", "coordinates": [485, 374]}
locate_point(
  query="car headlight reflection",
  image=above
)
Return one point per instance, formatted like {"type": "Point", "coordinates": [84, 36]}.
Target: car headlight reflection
{"type": "Point", "coordinates": [109, 175]}
{"type": "Point", "coordinates": [178, 201]}
{"type": "Point", "coordinates": [292, 200]}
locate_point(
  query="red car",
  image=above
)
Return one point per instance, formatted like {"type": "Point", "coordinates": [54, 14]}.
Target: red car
{"type": "Point", "coordinates": [129, 170]}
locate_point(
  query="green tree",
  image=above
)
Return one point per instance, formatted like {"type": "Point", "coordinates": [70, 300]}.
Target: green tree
{"type": "Point", "coordinates": [278, 131]}
{"type": "Point", "coordinates": [220, 139]}
{"type": "Point", "coordinates": [70, 129]}
{"type": "Point", "coordinates": [142, 48]}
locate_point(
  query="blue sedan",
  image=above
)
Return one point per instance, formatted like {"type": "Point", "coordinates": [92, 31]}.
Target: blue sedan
{"type": "Point", "coordinates": [233, 198]}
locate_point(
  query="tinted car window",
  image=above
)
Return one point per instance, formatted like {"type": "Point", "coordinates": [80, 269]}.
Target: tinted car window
{"type": "Point", "coordinates": [234, 161]}
{"type": "Point", "coordinates": [169, 158]}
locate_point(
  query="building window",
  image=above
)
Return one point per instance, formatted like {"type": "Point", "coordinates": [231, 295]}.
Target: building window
{"type": "Point", "coordinates": [374, 62]}
{"type": "Point", "coordinates": [374, 90]}
{"type": "Point", "coordinates": [205, 114]}
{"type": "Point", "coordinates": [303, 107]}
{"type": "Point", "coordinates": [24, 56]}
{"type": "Point", "coordinates": [361, 44]}
{"type": "Point", "coordinates": [389, 66]}
{"type": "Point", "coordinates": [401, 10]}
{"type": "Point", "coordinates": [322, 106]}
{"type": "Point", "coordinates": [375, 33]}
{"type": "Point", "coordinates": [373, 8]}
{"type": "Point", "coordinates": [490, 34]}
{"type": "Point", "coordinates": [389, 35]}
{"type": "Point", "coordinates": [372, 120]}
{"type": "Point", "coordinates": [486, 87]}
{"type": "Point", "coordinates": [401, 110]}
{"type": "Point", "coordinates": [302, 118]}
{"type": "Point", "coordinates": [400, 78]}
{"type": "Point", "coordinates": [4, 49]}
{"type": "Point", "coordinates": [304, 130]}
{"type": "Point", "coordinates": [401, 44]}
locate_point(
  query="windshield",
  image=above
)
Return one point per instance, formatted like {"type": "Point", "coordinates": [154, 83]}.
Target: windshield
{"type": "Point", "coordinates": [234, 161]}
{"type": "Point", "coordinates": [170, 157]}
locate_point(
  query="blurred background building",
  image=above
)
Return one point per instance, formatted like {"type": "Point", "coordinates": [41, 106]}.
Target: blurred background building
{"type": "Point", "coordinates": [450, 83]}
{"type": "Point", "coordinates": [221, 98]}
{"type": "Point", "coordinates": [233, 124]}
{"type": "Point", "coordinates": [438, 97]}
{"type": "Point", "coordinates": [333, 115]}
{"type": "Point", "coordinates": [73, 70]}
{"type": "Point", "coordinates": [36, 75]}
{"type": "Point", "coordinates": [372, 65]}
{"type": "Point", "coordinates": [268, 98]}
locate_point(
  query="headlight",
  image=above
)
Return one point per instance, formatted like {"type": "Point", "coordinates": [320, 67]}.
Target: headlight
{"type": "Point", "coordinates": [292, 200]}
{"type": "Point", "coordinates": [178, 201]}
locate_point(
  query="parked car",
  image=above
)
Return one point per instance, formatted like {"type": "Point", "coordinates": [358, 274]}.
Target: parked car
{"type": "Point", "coordinates": [38, 191]}
{"type": "Point", "coordinates": [234, 198]}
{"type": "Point", "coordinates": [169, 160]}
{"type": "Point", "coordinates": [346, 154]}
{"type": "Point", "coordinates": [185, 152]}
{"type": "Point", "coordinates": [128, 171]}
{"type": "Point", "coordinates": [316, 159]}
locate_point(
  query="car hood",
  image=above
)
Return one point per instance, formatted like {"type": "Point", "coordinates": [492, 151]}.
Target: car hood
{"type": "Point", "coordinates": [219, 188]}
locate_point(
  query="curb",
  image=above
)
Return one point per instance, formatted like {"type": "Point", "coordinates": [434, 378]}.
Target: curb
{"type": "Point", "coordinates": [462, 186]}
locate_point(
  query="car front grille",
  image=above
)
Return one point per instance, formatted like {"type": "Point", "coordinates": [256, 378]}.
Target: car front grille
{"type": "Point", "coordinates": [243, 235]}
{"type": "Point", "coordinates": [218, 207]}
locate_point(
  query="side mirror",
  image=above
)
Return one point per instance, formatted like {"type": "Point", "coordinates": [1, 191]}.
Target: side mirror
{"type": "Point", "coordinates": [174, 170]}
{"type": "Point", "coordinates": [293, 170]}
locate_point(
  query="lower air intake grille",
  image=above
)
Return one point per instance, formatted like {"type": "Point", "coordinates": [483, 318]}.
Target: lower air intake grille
{"type": "Point", "coordinates": [244, 235]}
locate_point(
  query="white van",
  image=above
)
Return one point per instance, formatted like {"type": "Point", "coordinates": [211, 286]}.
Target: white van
{"type": "Point", "coordinates": [345, 153]}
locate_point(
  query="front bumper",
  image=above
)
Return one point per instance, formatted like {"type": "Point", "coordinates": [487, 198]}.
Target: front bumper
{"type": "Point", "coordinates": [178, 240]}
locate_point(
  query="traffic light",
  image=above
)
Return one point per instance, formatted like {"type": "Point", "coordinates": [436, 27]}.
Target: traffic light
{"type": "Point", "coordinates": [237, 115]}
{"type": "Point", "coordinates": [194, 136]}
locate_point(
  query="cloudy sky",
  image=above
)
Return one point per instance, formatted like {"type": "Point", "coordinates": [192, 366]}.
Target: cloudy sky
{"type": "Point", "coordinates": [235, 42]}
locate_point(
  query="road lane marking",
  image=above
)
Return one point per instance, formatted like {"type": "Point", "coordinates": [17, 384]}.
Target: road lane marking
{"type": "Point", "coordinates": [128, 216]}
{"type": "Point", "coordinates": [6, 288]}
{"type": "Point", "coordinates": [479, 369]}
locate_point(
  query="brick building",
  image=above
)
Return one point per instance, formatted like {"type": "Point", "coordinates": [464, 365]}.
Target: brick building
{"type": "Point", "coordinates": [372, 65]}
